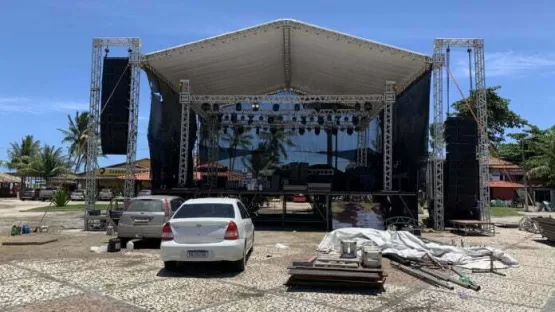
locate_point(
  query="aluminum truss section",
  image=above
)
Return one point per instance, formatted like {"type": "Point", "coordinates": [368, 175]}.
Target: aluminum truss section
{"type": "Point", "coordinates": [95, 109]}
{"type": "Point", "coordinates": [389, 96]}
{"type": "Point", "coordinates": [481, 106]}
{"type": "Point", "coordinates": [130, 177]}
{"type": "Point", "coordinates": [185, 101]}
{"type": "Point", "coordinates": [287, 99]}
{"type": "Point", "coordinates": [438, 142]}
{"type": "Point", "coordinates": [483, 139]}
{"type": "Point", "coordinates": [362, 147]}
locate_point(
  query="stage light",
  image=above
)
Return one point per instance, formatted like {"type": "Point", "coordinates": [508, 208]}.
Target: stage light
{"type": "Point", "coordinates": [275, 107]}
{"type": "Point", "coordinates": [346, 119]}
{"type": "Point", "coordinates": [342, 129]}
{"type": "Point", "coordinates": [350, 131]}
{"type": "Point", "coordinates": [297, 107]}
{"type": "Point", "coordinates": [273, 130]}
{"type": "Point", "coordinates": [257, 130]}
{"type": "Point", "coordinates": [303, 120]}
{"type": "Point", "coordinates": [251, 117]}
{"type": "Point", "coordinates": [294, 119]}
{"type": "Point", "coordinates": [205, 107]}
{"type": "Point", "coordinates": [329, 118]}
{"type": "Point", "coordinates": [216, 107]}
{"type": "Point", "coordinates": [255, 106]}
{"type": "Point", "coordinates": [226, 118]}
{"type": "Point", "coordinates": [242, 117]}
{"type": "Point", "coordinates": [320, 120]}
{"type": "Point", "coordinates": [270, 119]}
{"type": "Point", "coordinates": [311, 118]}
{"type": "Point", "coordinates": [233, 117]}
{"type": "Point", "coordinates": [357, 106]}
{"type": "Point", "coordinates": [317, 130]}
{"type": "Point", "coordinates": [334, 131]}
{"type": "Point", "coordinates": [261, 118]}
{"type": "Point", "coordinates": [301, 131]}
{"type": "Point", "coordinates": [368, 106]}
{"type": "Point", "coordinates": [238, 107]}
{"type": "Point", "coordinates": [355, 120]}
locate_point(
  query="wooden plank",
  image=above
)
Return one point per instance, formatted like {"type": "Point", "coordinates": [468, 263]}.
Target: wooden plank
{"type": "Point", "coordinates": [330, 273]}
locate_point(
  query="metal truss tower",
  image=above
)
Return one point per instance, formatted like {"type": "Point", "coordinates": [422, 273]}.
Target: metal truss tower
{"type": "Point", "coordinates": [185, 101]}
{"type": "Point", "coordinates": [438, 141]}
{"type": "Point", "coordinates": [95, 109]}
{"type": "Point", "coordinates": [389, 99]}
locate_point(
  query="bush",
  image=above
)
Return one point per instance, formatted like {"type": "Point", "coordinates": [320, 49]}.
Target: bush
{"type": "Point", "coordinates": [60, 198]}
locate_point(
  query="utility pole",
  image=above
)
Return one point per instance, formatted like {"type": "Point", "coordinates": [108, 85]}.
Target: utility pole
{"type": "Point", "coordinates": [525, 175]}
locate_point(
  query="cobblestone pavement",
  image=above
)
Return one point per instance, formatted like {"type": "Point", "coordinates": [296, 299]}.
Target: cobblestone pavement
{"type": "Point", "coordinates": [134, 281]}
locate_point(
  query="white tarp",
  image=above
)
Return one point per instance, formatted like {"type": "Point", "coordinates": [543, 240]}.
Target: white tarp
{"type": "Point", "coordinates": [411, 247]}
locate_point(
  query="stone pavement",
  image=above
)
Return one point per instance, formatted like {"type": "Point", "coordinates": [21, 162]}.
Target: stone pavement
{"type": "Point", "coordinates": [135, 281]}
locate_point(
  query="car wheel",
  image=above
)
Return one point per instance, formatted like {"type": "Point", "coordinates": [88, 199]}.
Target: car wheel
{"type": "Point", "coordinates": [123, 241]}
{"type": "Point", "coordinates": [170, 265]}
{"type": "Point", "coordinates": [239, 266]}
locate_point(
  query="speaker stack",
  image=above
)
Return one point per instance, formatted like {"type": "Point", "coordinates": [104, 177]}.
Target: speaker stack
{"type": "Point", "coordinates": [461, 169]}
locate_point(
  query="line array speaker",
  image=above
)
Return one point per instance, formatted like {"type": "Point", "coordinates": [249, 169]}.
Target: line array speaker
{"type": "Point", "coordinates": [115, 97]}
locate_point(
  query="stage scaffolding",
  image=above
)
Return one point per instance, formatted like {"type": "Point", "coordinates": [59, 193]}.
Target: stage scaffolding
{"type": "Point", "coordinates": [478, 75]}
{"type": "Point", "coordinates": [96, 107]}
{"type": "Point", "coordinates": [327, 112]}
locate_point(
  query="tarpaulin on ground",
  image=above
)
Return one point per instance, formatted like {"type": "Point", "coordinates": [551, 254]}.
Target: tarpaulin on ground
{"type": "Point", "coordinates": [406, 245]}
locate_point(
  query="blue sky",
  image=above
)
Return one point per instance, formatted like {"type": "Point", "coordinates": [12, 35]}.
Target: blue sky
{"type": "Point", "coordinates": [46, 47]}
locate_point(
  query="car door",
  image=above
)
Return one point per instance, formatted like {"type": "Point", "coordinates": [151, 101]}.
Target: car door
{"type": "Point", "coordinates": [248, 225]}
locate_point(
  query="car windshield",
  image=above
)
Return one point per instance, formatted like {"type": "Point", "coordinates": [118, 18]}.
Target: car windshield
{"type": "Point", "coordinates": [145, 205]}
{"type": "Point", "coordinates": [207, 210]}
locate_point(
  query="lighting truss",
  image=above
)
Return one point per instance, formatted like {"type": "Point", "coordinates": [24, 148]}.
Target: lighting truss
{"type": "Point", "coordinates": [288, 99]}
{"type": "Point", "coordinates": [388, 136]}
{"type": "Point", "coordinates": [134, 45]}
{"type": "Point", "coordinates": [481, 106]}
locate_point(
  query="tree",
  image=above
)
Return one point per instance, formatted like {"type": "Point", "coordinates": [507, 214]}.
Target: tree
{"type": "Point", "coordinates": [276, 143]}
{"type": "Point", "coordinates": [542, 165]}
{"type": "Point", "coordinates": [260, 161]}
{"type": "Point", "coordinates": [500, 117]}
{"type": "Point", "coordinates": [48, 163]}
{"type": "Point", "coordinates": [77, 136]}
{"type": "Point", "coordinates": [524, 142]}
{"type": "Point", "coordinates": [234, 140]}
{"type": "Point", "coordinates": [21, 155]}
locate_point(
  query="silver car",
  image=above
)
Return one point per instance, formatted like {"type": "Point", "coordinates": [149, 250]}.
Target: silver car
{"type": "Point", "coordinates": [145, 216]}
{"type": "Point", "coordinates": [78, 195]}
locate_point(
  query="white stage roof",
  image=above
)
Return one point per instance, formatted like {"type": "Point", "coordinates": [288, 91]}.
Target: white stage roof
{"type": "Point", "coordinates": [287, 54]}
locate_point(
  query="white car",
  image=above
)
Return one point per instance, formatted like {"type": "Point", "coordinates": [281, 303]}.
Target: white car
{"type": "Point", "coordinates": [208, 229]}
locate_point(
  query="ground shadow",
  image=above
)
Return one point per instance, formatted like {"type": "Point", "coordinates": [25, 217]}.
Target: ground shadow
{"type": "Point", "coordinates": [545, 242]}
{"type": "Point", "coordinates": [300, 228]}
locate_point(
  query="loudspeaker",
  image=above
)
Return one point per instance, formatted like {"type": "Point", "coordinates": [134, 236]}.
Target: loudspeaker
{"type": "Point", "coordinates": [115, 99]}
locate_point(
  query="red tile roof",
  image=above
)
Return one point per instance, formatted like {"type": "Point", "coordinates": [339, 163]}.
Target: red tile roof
{"type": "Point", "coordinates": [498, 163]}
{"type": "Point", "coordinates": [505, 184]}
{"type": "Point", "coordinates": [140, 176]}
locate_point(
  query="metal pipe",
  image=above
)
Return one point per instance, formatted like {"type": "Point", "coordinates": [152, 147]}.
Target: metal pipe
{"type": "Point", "coordinates": [423, 276]}
{"type": "Point", "coordinates": [450, 279]}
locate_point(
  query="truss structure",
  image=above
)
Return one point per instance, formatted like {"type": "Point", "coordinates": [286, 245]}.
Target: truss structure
{"type": "Point", "coordinates": [215, 114]}
{"type": "Point", "coordinates": [477, 45]}
{"type": "Point", "coordinates": [95, 109]}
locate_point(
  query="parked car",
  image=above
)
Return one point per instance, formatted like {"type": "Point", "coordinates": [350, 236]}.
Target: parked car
{"type": "Point", "coordinates": [145, 193]}
{"type": "Point", "coordinates": [47, 193]}
{"type": "Point", "coordinates": [144, 216]}
{"type": "Point", "coordinates": [78, 195]}
{"type": "Point", "coordinates": [208, 229]}
{"type": "Point", "coordinates": [29, 194]}
{"type": "Point", "coordinates": [105, 194]}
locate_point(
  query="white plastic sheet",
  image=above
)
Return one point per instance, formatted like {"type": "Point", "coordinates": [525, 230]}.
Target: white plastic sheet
{"type": "Point", "coordinates": [411, 247]}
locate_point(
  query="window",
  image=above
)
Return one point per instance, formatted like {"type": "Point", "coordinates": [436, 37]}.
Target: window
{"type": "Point", "coordinates": [176, 203]}
{"type": "Point", "coordinates": [243, 210]}
{"type": "Point", "coordinates": [145, 205]}
{"type": "Point", "coordinates": [207, 210]}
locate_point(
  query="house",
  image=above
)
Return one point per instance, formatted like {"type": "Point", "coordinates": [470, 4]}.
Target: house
{"type": "Point", "coordinates": [505, 179]}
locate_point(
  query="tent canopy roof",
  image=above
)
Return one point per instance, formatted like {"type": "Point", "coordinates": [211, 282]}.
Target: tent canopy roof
{"type": "Point", "coordinates": [287, 55]}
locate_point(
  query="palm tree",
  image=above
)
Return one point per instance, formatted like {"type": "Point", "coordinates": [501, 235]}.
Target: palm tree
{"type": "Point", "coordinates": [542, 165]}
{"type": "Point", "coordinates": [234, 140]}
{"type": "Point", "coordinates": [48, 163]}
{"type": "Point", "coordinates": [276, 143]}
{"type": "Point", "coordinates": [21, 155]}
{"type": "Point", "coordinates": [260, 161]}
{"type": "Point", "coordinates": [77, 136]}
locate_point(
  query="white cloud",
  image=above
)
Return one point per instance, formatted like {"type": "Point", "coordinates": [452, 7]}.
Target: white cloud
{"type": "Point", "coordinates": [502, 64]}
{"type": "Point", "coordinates": [38, 106]}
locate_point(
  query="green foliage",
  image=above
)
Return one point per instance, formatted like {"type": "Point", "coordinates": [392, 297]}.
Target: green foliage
{"type": "Point", "coordinates": [60, 198]}
{"type": "Point", "coordinates": [276, 143]}
{"type": "Point", "coordinates": [21, 154]}
{"type": "Point", "coordinates": [77, 136]}
{"type": "Point", "coordinates": [542, 163]}
{"type": "Point", "coordinates": [48, 163]}
{"type": "Point", "coordinates": [500, 117]}
{"type": "Point", "coordinates": [235, 140]}
{"type": "Point", "coordinates": [260, 161]}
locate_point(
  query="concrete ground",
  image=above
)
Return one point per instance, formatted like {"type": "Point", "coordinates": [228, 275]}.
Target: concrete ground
{"type": "Point", "coordinates": [67, 276]}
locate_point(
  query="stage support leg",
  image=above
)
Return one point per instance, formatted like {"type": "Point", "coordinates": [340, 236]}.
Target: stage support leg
{"type": "Point", "coordinates": [91, 165]}
{"type": "Point", "coordinates": [185, 101]}
{"type": "Point", "coordinates": [213, 152]}
{"type": "Point", "coordinates": [438, 195]}
{"type": "Point", "coordinates": [135, 62]}
{"type": "Point", "coordinates": [389, 100]}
